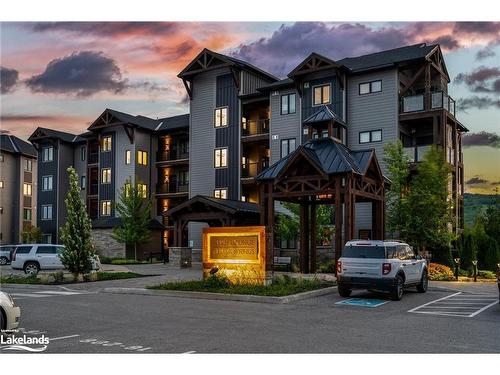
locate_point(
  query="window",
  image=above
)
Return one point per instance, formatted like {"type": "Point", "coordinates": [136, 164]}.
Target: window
{"type": "Point", "coordinates": [220, 193]}
{"type": "Point", "coordinates": [83, 152]}
{"type": "Point", "coordinates": [127, 188]}
{"type": "Point", "coordinates": [106, 144]}
{"type": "Point", "coordinates": [27, 214]}
{"type": "Point", "coordinates": [83, 182]}
{"type": "Point", "coordinates": [47, 154]}
{"type": "Point", "coordinates": [287, 104]}
{"type": "Point", "coordinates": [27, 189]}
{"type": "Point", "coordinates": [47, 238]}
{"type": "Point", "coordinates": [28, 165]}
{"type": "Point", "coordinates": [23, 249]}
{"type": "Point", "coordinates": [142, 157]}
{"type": "Point", "coordinates": [1, 158]}
{"type": "Point", "coordinates": [106, 176]}
{"type": "Point", "coordinates": [47, 212]}
{"type": "Point", "coordinates": [370, 87]}
{"type": "Point", "coordinates": [46, 250]}
{"type": "Point", "coordinates": [127, 157]}
{"type": "Point", "coordinates": [321, 95]}
{"type": "Point", "coordinates": [47, 183]}
{"type": "Point", "coordinates": [371, 136]}
{"type": "Point", "coordinates": [183, 178]}
{"type": "Point", "coordinates": [220, 157]}
{"type": "Point", "coordinates": [1, 184]}
{"type": "Point", "coordinates": [287, 146]}
{"type": "Point", "coordinates": [105, 208]}
{"type": "Point", "coordinates": [143, 190]}
{"type": "Point", "coordinates": [220, 117]}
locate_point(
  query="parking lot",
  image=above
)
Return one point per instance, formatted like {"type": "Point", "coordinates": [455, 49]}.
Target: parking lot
{"type": "Point", "coordinates": [89, 321]}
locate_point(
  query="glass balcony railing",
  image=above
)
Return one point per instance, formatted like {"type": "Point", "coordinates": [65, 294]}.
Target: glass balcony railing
{"type": "Point", "coordinates": [254, 127]}
{"type": "Point", "coordinates": [417, 153]}
{"type": "Point", "coordinates": [172, 188]}
{"type": "Point", "coordinates": [438, 100]}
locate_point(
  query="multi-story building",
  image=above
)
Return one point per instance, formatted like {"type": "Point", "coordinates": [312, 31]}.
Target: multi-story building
{"type": "Point", "coordinates": [248, 119]}
{"type": "Point", "coordinates": [243, 119]}
{"type": "Point", "coordinates": [118, 147]}
{"type": "Point", "coordinates": [18, 186]}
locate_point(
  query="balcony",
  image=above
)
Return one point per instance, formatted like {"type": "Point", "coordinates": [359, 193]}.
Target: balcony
{"type": "Point", "coordinates": [416, 154]}
{"type": "Point", "coordinates": [93, 158]}
{"type": "Point", "coordinates": [252, 128]}
{"type": "Point", "coordinates": [93, 188]}
{"type": "Point", "coordinates": [172, 188]}
{"type": "Point", "coordinates": [417, 103]}
{"type": "Point", "coordinates": [250, 170]}
{"type": "Point", "coordinates": [171, 155]}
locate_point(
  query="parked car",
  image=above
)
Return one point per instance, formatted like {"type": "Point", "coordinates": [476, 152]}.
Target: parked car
{"type": "Point", "coordinates": [380, 265]}
{"type": "Point", "coordinates": [10, 314]}
{"type": "Point", "coordinates": [5, 251]}
{"type": "Point", "coordinates": [35, 257]}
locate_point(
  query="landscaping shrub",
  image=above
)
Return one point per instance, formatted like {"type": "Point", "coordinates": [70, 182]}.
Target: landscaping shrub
{"type": "Point", "coordinates": [440, 272]}
{"type": "Point", "coordinates": [327, 267]}
{"type": "Point", "coordinates": [483, 274]}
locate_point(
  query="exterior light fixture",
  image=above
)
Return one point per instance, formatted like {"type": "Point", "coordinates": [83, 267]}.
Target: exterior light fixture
{"type": "Point", "coordinates": [457, 265]}
{"type": "Point", "coordinates": [474, 263]}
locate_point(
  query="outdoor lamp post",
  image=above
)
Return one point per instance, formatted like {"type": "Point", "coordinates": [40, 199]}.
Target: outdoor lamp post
{"type": "Point", "coordinates": [457, 264]}
{"type": "Point", "coordinates": [474, 263]}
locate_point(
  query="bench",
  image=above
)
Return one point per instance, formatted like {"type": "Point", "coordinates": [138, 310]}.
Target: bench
{"type": "Point", "coordinates": [283, 262]}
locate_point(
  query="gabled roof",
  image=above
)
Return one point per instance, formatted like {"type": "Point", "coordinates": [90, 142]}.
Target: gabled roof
{"type": "Point", "coordinates": [14, 145]}
{"type": "Point", "coordinates": [333, 158]}
{"type": "Point", "coordinates": [387, 58]}
{"type": "Point", "coordinates": [125, 118]}
{"type": "Point", "coordinates": [313, 63]}
{"type": "Point", "coordinates": [287, 82]}
{"type": "Point", "coordinates": [324, 113]}
{"type": "Point", "coordinates": [226, 205]}
{"type": "Point", "coordinates": [40, 133]}
{"type": "Point", "coordinates": [173, 123]}
{"type": "Point", "coordinates": [208, 59]}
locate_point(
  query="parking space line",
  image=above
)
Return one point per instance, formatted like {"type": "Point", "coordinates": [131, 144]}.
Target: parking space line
{"type": "Point", "coordinates": [484, 308]}
{"type": "Point", "coordinates": [428, 303]}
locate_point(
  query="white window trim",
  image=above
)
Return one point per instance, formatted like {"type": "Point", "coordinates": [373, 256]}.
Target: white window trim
{"type": "Point", "coordinates": [227, 157]}
{"type": "Point", "coordinates": [220, 190]}
{"type": "Point", "coordinates": [370, 92]}
{"type": "Point", "coordinates": [43, 183]}
{"type": "Point", "coordinates": [110, 176]}
{"type": "Point", "coordinates": [227, 116]}
{"type": "Point", "coordinates": [111, 143]}
{"type": "Point", "coordinates": [330, 96]}
{"type": "Point", "coordinates": [51, 154]}
{"type": "Point", "coordinates": [101, 208]}
{"type": "Point", "coordinates": [51, 212]}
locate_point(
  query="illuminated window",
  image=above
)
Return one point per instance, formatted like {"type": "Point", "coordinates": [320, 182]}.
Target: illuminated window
{"type": "Point", "coordinates": [142, 157]}
{"type": "Point", "coordinates": [321, 95]}
{"type": "Point", "coordinates": [1, 158]}
{"type": "Point", "coordinates": [47, 154]}
{"type": "Point", "coordinates": [47, 183]}
{"type": "Point", "coordinates": [106, 144]}
{"type": "Point", "coordinates": [47, 212]}
{"type": "Point", "coordinates": [106, 176]}
{"type": "Point", "coordinates": [127, 156]}
{"type": "Point", "coordinates": [27, 189]}
{"type": "Point", "coordinates": [220, 117]}
{"type": "Point", "coordinates": [105, 208]}
{"type": "Point", "coordinates": [220, 157]}
{"type": "Point", "coordinates": [143, 190]}
{"type": "Point", "coordinates": [1, 184]}
{"type": "Point", "coordinates": [127, 188]}
{"type": "Point", "coordinates": [220, 193]}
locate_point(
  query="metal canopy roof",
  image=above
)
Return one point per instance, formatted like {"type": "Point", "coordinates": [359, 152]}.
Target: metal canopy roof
{"type": "Point", "coordinates": [330, 156]}
{"type": "Point", "coordinates": [225, 205]}
{"type": "Point", "coordinates": [322, 115]}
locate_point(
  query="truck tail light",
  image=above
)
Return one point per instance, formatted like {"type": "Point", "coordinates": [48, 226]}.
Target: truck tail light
{"type": "Point", "coordinates": [386, 268]}
{"type": "Point", "coordinates": [339, 266]}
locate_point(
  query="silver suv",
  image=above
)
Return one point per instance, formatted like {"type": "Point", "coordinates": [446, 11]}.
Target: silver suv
{"type": "Point", "coordinates": [35, 257]}
{"type": "Point", "coordinates": [380, 265]}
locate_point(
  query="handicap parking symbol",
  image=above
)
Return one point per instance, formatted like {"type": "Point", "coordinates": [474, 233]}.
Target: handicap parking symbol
{"type": "Point", "coordinates": [362, 302]}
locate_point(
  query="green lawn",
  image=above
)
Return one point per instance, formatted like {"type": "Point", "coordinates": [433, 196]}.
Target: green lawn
{"type": "Point", "coordinates": [281, 286]}
{"type": "Point", "coordinates": [101, 276]}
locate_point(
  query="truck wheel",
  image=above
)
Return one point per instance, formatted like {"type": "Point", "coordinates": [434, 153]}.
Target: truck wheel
{"type": "Point", "coordinates": [397, 291]}
{"type": "Point", "coordinates": [424, 283]}
{"type": "Point", "coordinates": [31, 268]}
{"type": "Point", "coordinates": [344, 292]}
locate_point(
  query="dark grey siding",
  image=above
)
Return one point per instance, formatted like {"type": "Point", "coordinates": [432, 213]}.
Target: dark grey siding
{"type": "Point", "coordinates": [107, 160]}
{"type": "Point", "coordinates": [251, 82]}
{"type": "Point", "coordinates": [48, 197]}
{"type": "Point", "coordinates": [65, 160]}
{"type": "Point", "coordinates": [226, 95]}
{"type": "Point", "coordinates": [336, 96]}
{"type": "Point", "coordinates": [283, 126]}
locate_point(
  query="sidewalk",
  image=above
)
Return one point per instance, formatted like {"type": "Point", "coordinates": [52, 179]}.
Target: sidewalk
{"type": "Point", "coordinates": [466, 287]}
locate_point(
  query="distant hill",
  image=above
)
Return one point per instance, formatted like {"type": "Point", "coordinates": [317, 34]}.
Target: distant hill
{"type": "Point", "coordinates": [474, 204]}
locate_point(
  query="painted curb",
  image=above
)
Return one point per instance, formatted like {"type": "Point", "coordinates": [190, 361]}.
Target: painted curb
{"type": "Point", "coordinates": [222, 296]}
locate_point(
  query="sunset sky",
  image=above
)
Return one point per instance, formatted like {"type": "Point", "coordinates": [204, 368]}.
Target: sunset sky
{"type": "Point", "coordinates": [63, 75]}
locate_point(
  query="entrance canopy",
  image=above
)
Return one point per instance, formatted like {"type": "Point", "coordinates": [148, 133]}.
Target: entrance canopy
{"type": "Point", "coordinates": [213, 211]}
{"type": "Point", "coordinates": [323, 171]}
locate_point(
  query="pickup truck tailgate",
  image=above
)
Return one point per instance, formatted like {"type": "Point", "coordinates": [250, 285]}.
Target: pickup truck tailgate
{"type": "Point", "coordinates": [361, 267]}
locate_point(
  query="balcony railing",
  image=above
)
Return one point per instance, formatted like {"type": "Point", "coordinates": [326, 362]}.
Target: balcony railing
{"type": "Point", "coordinates": [254, 127]}
{"type": "Point", "coordinates": [93, 188]}
{"type": "Point", "coordinates": [171, 155]}
{"type": "Point", "coordinates": [416, 154]}
{"type": "Point", "coordinates": [437, 100]}
{"type": "Point", "coordinates": [93, 157]}
{"type": "Point", "coordinates": [253, 169]}
{"type": "Point", "coordinates": [171, 188]}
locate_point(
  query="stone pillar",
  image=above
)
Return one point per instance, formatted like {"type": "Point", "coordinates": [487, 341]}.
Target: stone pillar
{"type": "Point", "coordinates": [181, 257]}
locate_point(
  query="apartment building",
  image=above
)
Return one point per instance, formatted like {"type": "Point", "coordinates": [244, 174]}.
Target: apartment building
{"type": "Point", "coordinates": [248, 119]}
{"type": "Point", "coordinates": [117, 147]}
{"type": "Point", "coordinates": [18, 186]}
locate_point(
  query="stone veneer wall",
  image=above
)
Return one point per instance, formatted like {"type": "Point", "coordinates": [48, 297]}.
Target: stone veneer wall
{"type": "Point", "coordinates": [105, 245]}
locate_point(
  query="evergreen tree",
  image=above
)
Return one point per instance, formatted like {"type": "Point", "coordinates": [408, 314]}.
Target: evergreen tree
{"type": "Point", "coordinates": [491, 254]}
{"type": "Point", "coordinates": [398, 172]}
{"type": "Point", "coordinates": [32, 234]}
{"type": "Point", "coordinates": [468, 251]}
{"type": "Point", "coordinates": [75, 234]}
{"type": "Point", "coordinates": [134, 209]}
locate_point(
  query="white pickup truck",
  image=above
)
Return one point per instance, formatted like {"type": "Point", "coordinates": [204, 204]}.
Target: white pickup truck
{"type": "Point", "coordinates": [380, 265]}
